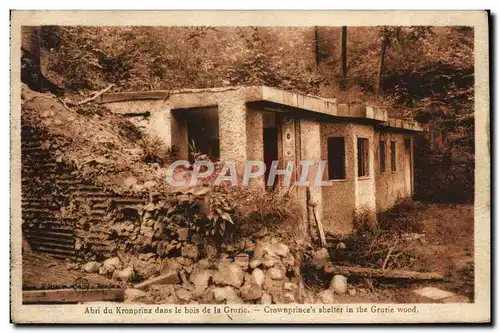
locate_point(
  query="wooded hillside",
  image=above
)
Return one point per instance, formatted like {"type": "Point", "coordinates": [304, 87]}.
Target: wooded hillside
{"type": "Point", "coordinates": [421, 73]}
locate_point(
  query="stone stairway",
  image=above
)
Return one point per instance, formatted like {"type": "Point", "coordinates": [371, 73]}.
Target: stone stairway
{"type": "Point", "coordinates": [49, 188]}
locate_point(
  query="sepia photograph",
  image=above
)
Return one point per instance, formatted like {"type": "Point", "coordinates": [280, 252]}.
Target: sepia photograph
{"type": "Point", "coordinates": [179, 173]}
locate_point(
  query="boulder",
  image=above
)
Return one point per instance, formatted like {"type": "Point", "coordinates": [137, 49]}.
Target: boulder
{"type": "Point", "coordinates": [231, 275]}
{"type": "Point", "coordinates": [145, 265]}
{"type": "Point", "coordinates": [227, 294]}
{"type": "Point", "coordinates": [269, 261]}
{"type": "Point", "coordinates": [255, 263]}
{"type": "Point", "coordinates": [266, 299]}
{"type": "Point", "coordinates": [251, 291]}
{"type": "Point", "coordinates": [258, 277]}
{"type": "Point", "coordinates": [134, 295]}
{"type": "Point", "coordinates": [290, 286]}
{"type": "Point", "coordinates": [289, 260]}
{"type": "Point", "coordinates": [275, 249]}
{"type": "Point", "coordinates": [126, 275]}
{"type": "Point", "coordinates": [320, 257]}
{"type": "Point", "coordinates": [114, 262]}
{"type": "Point", "coordinates": [289, 298]}
{"type": "Point", "coordinates": [242, 260]}
{"type": "Point", "coordinates": [200, 278]}
{"type": "Point", "coordinates": [170, 278]}
{"type": "Point", "coordinates": [326, 296]}
{"type": "Point", "coordinates": [106, 269]}
{"type": "Point", "coordinates": [190, 251]}
{"type": "Point", "coordinates": [91, 266]}
{"type": "Point", "coordinates": [183, 294]}
{"type": "Point", "coordinates": [170, 265]}
{"type": "Point", "coordinates": [339, 284]}
{"type": "Point", "coordinates": [275, 273]}
{"type": "Point", "coordinates": [182, 234]}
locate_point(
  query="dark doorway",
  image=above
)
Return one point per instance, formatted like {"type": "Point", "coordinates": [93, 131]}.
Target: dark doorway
{"type": "Point", "coordinates": [270, 148]}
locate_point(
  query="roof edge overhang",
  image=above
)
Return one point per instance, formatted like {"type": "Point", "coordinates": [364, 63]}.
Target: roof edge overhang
{"type": "Point", "coordinates": [195, 98]}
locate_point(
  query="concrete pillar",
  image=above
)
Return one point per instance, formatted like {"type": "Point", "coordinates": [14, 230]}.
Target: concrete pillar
{"type": "Point", "coordinates": [364, 187]}
{"type": "Point", "coordinates": [232, 129]}
{"type": "Point", "coordinates": [310, 147]}
{"type": "Point", "coordinates": [255, 142]}
{"type": "Point", "coordinates": [179, 133]}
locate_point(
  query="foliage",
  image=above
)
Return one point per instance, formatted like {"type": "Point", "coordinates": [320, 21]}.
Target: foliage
{"type": "Point", "coordinates": [155, 151]}
{"type": "Point", "coordinates": [388, 244]}
{"type": "Point", "coordinates": [428, 74]}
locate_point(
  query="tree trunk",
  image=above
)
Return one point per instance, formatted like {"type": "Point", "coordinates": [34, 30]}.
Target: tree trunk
{"type": "Point", "coordinates": [383, 49]}
{"type": "Point", "coordinates": [343, 56]}
{"type": "Point", "coordinates": [316, 46]}
{"type": "Point", "coordinates": [30, 57]}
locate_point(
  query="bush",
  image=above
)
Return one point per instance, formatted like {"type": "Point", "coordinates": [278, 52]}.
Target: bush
{"type": "Point", "coordinates": [155, 151]}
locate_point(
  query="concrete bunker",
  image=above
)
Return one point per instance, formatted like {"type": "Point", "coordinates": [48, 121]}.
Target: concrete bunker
{"type": "Point", "coordinates": [369, 156]}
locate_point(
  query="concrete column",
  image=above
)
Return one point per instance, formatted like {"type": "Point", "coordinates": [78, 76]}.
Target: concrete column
{"type": "Point", "coordinates": [255, 142]}
{"type": "Point", "coordinates": [232, 129]}
{"type": "Point", "coordinates": [364, 187]}
{"type": "Point", "coordinates": [310, 147]}
{"type": "Point", "coordinates": [179, 133]}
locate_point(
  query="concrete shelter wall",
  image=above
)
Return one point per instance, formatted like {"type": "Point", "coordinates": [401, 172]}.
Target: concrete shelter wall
{"type": "Point", "coordinates": [338, 199]}
{"type": "Point", "coordinates": [365, 186]}
{"type": "Point", "coordinates": [233, 129]}
{"type": "Point", "coordinates": [393, 186]}
{"type": "Point", "coordinates": [255, 141]}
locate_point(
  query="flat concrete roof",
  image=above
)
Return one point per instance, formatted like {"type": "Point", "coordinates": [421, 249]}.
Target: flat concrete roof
{"type": "Point", "coordinates": [195, 98]}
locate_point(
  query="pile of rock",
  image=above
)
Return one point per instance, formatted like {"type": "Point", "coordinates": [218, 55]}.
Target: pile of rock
{"type": "Point", "coordinates": [263, 273]}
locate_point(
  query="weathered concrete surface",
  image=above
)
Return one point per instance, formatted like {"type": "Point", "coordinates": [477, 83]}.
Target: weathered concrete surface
{"type": "Point", "coordinates": [193, 98]}
{"type": "Point", "coordinates": [393, 186]}
{"type": "Point", "coordinates": [339, 198]}
{"type": "Point", "coordinates": [233, 129]}
{"type": "Point", "coordinates": [364, 187]}
{"type": "Point", "coordinates": [255, 141]}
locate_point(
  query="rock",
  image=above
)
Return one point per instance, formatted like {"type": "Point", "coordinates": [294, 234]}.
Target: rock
{"type": "Point", "coordinates": [326, 296]}
{"type": "Point", "coordinates": [203, 264]}
{"type": "Point", "coordinates": [289, 260]}
{"type": "Point", "coordinates": [171, 278]}
{"type": "Point", "coordinates": [130, 181]}
{"type": "Point", "coordinates": [170, 265]}
{"type": "Point", "coordinates": [352, 292]}
{"type": "Point", "coordinates": [210, 251]}
{"type": "Point", "coordinates": [288, 298]}
{"type": "Point", "coordinates": [320, 257]}
{"type": "Point", "coordinates": [242, 260]}
{"type": "Point", "coordinates": [275, 273]}
{"type": "Point", "coordinates": [266, 299]}
{"type": "Point", "coordinates": [133, 295]}
{"type": "Point", "coordinates": [106, 269]}
{"type": "Point", "coordinates": [258, 277]}
{"type": "Point", "coordinates": [145, 265]}
{"type": "Point", "coordinates": [190, 251]}
{"type": "Point", "coordinates": [227, 294]}
{"type": "Point", "coordinates": [91, 266]}
{"type": "Point", "coordinates": [72, 266]}
{"type": "Point", "coordinates": [182, 234]}
{"type": "Point", "coordinates": [114, 262]}
{"type": "Point", "coordinates": [251, 291]}
{"type": "Point", "coordinates": [200, 278]}
{"type": "Point", "coordinates": [339, 284]}
{"type": "Point", "coordinates": [183, 294]}
{"type": "Point", "coordinates": [340, 246]}
{"type": "Point", "coordinates": [275, 249]}
{"type": "Point", "coordinates": [127, 274]}
{"type": "Point", "coordinates": [290, 286]}
{"type": "Point", "coordinates": [149, 184]}
{"type": "Point", "coordinates": [255, 263]}
{"type": "Point", "coordinates": [269, 261]}
{"type": "Point", "coordinates": [229, 275]}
